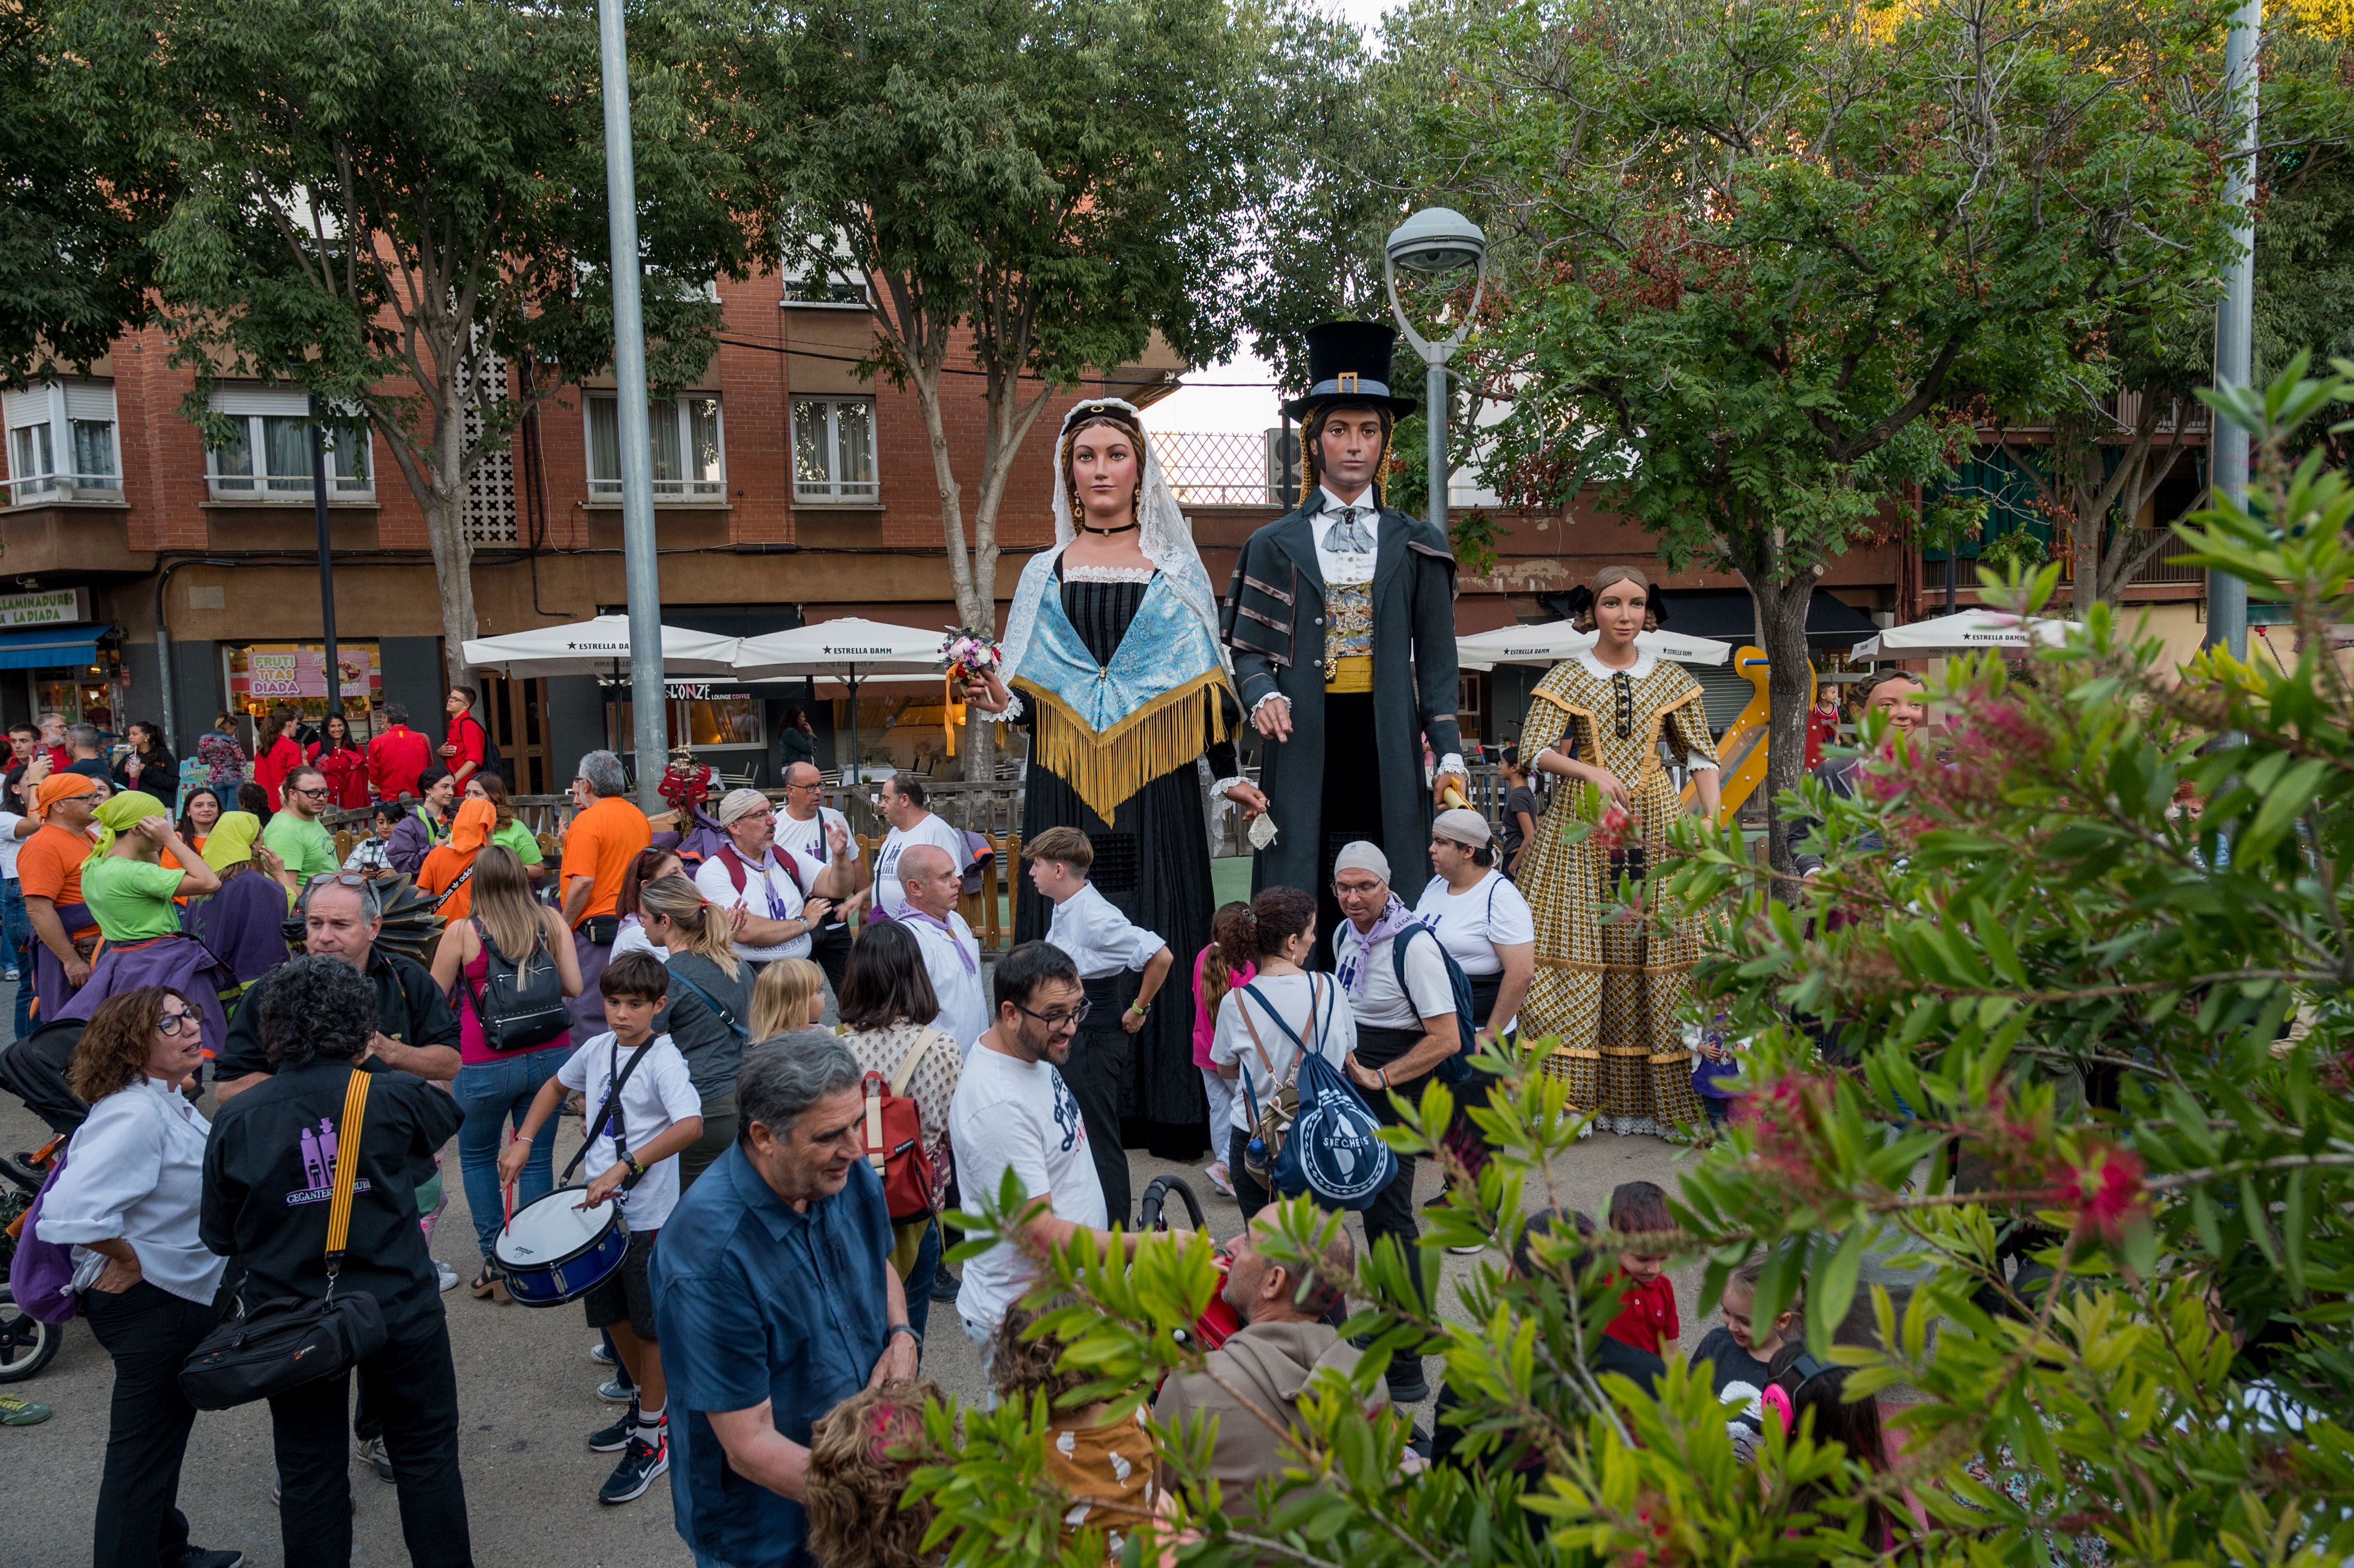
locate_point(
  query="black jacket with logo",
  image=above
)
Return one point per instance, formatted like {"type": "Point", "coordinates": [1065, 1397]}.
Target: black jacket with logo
{"type": "Point", "coordinates": [269, 1181]}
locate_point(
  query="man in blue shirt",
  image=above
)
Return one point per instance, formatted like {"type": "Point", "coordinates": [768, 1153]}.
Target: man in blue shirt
{"type": "Point", "coordinates": [776, 1301]}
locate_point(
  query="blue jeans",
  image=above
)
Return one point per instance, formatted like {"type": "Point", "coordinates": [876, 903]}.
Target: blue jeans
{"type": "Point", "coordinates": [494, 1094]}
{"type": "Point", "coordinates": [920, 1277]}
{"type": "Point", "coordinates": [15, 935]}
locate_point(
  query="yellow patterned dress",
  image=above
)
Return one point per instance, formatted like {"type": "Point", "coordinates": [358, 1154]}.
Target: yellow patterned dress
{"type": "Point", "coordinates": [1609, 984]}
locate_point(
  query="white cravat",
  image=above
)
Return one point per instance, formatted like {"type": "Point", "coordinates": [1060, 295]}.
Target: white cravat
{"type": "Point", "coordinates": [1341, 567]}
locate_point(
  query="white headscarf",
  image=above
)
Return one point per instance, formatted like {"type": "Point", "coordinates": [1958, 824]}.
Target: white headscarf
{"type": "Point", "coordinates": [1163, 534]}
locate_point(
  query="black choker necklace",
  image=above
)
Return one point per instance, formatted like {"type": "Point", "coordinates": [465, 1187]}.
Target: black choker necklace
{"type": "Point", "coordinates": [1123, 528]}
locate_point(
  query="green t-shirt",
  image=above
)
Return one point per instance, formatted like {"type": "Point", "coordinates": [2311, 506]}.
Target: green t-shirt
{"type": "Point", "coordinates": [130, 899]}
{"type": "Point", "coordinates": [303, 844]}
{"type": "Point", "coordinates": [517, 837]}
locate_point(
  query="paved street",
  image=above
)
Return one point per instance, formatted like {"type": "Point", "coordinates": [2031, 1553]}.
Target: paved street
{"type": "Point", "coordinates": [526, 1393]}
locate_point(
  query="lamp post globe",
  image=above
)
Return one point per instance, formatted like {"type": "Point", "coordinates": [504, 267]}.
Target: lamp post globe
{"type": "Point", "coordinates": [1436, 240]}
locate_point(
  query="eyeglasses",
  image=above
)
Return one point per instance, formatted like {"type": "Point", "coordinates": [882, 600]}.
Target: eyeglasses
{"type": "Point", "coordinates": [318, 794]}
{"type": "Point", "coordinates": [819, 785]}
{"type": "Point", "coordinates": [1058, 1020]}
{"type": "Point", "coordinates": [174, 1023]}
{"type": "Point", "coordinates": [339, 878]}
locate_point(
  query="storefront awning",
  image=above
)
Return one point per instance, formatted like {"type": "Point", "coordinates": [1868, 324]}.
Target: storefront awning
{"type": "Point", "coordinates": [51, 649]}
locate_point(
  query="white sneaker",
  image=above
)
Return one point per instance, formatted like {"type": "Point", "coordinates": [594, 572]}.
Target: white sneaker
{"type": "Point", "coordinates": [448, 1277]}
{"type": "Point", "coordinates": [1219, 1177]}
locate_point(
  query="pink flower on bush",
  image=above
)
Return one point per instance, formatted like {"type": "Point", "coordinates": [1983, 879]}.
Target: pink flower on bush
{"type": "Point", "coordinates": [1610, 830]}
{"type": "Point", "coordinates": [2105, 1187]}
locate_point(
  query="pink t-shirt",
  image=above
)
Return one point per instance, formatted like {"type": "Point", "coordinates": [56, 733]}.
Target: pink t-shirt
{"type": "Point", "coordinates": [1205, 1019]}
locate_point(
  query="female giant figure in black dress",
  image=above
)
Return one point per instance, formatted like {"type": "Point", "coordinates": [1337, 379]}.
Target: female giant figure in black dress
{"type": "Point", "coordinates": [1114, 663]}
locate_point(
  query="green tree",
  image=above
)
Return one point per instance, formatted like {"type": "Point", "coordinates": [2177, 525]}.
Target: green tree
{"type": "Point", "coordinates": [2082, 1187]}
{"type": "Point", "coordinates": [1031, 187]}
{"type": "Point", "coordinates": [398, 205]}
{"type": "Point", "coordinates": [77, 204]}
{"type": "Point", "coordinates": [1764, 260]}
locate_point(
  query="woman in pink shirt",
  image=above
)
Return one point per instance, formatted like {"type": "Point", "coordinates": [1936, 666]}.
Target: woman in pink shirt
{"type": "Point", "coordinates": [1217, 969]}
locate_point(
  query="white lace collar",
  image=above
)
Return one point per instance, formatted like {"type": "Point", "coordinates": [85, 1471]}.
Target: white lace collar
{"type": "Point", "coordinates": [1645, 663]}
{"type": "Point", "coordinates": [1109, 574]}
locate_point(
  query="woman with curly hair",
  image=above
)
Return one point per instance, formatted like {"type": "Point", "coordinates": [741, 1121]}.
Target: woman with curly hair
{"type": "Point", "coordinates": [270, 1176]}
{"type": "Point", "coordinates": [860, 1457]}
{"type": "Point", "coordinates": [130, 1193]}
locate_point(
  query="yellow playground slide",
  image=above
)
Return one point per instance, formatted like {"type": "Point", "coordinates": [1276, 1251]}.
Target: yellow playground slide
{"type": "Point", "coordinates": [1740, 749]}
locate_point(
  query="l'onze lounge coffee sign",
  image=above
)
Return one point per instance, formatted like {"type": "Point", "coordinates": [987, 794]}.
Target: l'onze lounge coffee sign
{"type": "Point", "coordinates": [56, 607]}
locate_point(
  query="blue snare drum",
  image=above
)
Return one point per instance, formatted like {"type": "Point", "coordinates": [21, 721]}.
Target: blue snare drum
{"type": "Point", "coordinates": [554, 1251]}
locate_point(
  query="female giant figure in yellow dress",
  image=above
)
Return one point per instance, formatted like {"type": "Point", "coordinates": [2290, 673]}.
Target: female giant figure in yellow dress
{"type": "Point", "coordinates": [1611, 978]}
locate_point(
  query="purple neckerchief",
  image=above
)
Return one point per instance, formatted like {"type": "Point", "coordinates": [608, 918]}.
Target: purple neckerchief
{"type": "Point", "coordinates": [1361, 944]}
{"type": "Point", "coordinates": [909, 912]}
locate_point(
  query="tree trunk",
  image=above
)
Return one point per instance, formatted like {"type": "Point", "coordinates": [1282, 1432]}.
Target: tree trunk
{"type": "Point", "coordinates": [453, 575]}
{"type": "Point", "coordinates": [1790, 686]}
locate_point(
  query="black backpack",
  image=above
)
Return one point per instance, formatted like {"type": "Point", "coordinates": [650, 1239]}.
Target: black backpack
{"type": "Point", "coordinates": [492, 761]}
{"type": "Point", "coordinates": [520, 1009]}
{"type": "Point", "coordinates": [1456, 1068]}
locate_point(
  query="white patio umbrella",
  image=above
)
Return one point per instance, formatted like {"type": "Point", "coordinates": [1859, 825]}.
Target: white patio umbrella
{"type": "Point", "coordinates": [842, 649]}
{"type": "Point", "coordinates": [597, 647]}
{"type": "Point", "coordinates": [1960, 633]}
{"type": "Point", "coordinates": [1558, 640]}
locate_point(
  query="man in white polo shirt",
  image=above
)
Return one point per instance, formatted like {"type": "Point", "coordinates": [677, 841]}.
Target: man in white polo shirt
{"type": "Point", "coordinates": [901, 802]}
{"type": "Point", "coordinates": [952, 953]}
{"type": "Point", "coordinates": [1401, 1036]}
{"type": "Point", "coordinates": [782, 896]}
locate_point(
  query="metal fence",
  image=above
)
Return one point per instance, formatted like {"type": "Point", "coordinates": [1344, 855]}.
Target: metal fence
{"type": "Point", "coordinates": [1220, 468]}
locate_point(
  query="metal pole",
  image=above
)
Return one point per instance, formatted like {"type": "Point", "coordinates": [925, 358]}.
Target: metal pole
{"type": "Point", "coordinates": [641, 566]}
{"type": "Point", "coordinates": [326, 559]}
{"type": "Point", "coordinates": [2227, 596]}
{"type": "Point", "coordinates": [1434, 390]}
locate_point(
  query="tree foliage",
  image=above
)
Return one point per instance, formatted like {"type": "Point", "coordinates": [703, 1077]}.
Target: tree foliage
{"type": "Point", "coordinates": [2072, 1189]}
{"type": "Point", "coordinates": [1766, 261]}
{"type": "Point", "coordinates": [400, 204]}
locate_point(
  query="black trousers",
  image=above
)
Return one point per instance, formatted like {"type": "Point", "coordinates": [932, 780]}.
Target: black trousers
{"type": "Point", "coordinates": [412, 1389]}
{"type": "Point", "coordinates": [1101, 1073]}
{"type": "Point", "coordinates": [1391, 1214]}
{"type": "Point", "coordinates": [829, 950]}
{"type": "Point", "coordinates": [149, 1332]}
{"type": "Point", "coordinates": [1351, 807]}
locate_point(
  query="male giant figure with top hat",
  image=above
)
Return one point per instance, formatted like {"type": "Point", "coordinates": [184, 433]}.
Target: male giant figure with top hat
{"type": "Point", "coordinates": [1341, 619]}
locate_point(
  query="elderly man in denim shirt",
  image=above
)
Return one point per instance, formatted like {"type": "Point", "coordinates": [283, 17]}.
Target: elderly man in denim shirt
{"type": "Point", "coordinates": [776, 1301]}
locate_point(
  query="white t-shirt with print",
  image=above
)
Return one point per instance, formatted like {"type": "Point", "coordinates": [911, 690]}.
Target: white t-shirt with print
{"type": "Point", "coordinates": [1472, 925]}
{"type": "Point", "coordinates": [771, 892]}
{"type": "Point", "coordinates": [1333, 1034]}
{"type": "Point", "coordinates": [888, 894]}
{"type": "Point", "coordinates": [1380, 1004]}
{"type": "Point", "coordinates": [1011, 1115]}
{"type": "Point", "coordinates": [659, 1096]}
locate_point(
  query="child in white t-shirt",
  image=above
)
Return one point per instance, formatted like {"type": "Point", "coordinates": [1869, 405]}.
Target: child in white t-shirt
{"type": "Point", "coordinates": [1254, 1044]}
{"type": "Point", "coordinates": [658, 1115]}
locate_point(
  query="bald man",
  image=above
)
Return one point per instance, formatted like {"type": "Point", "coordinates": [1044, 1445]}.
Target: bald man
{"type": "Point", "coordinates": [933, 885]}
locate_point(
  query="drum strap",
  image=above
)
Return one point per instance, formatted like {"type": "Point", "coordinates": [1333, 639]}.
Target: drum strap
{"type": "Point", "coordinates": [347, 1164]}
{"type": "Point", "coordinates": [611, 1108]}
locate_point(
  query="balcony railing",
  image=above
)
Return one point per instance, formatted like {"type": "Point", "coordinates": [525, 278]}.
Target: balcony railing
{"type": "Point", "coordinates": [1217, 468]}
{"type": "Point", "coordinates": [42, 487]}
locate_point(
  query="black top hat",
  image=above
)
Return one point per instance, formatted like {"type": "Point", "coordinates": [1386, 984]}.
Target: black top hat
{"type": "Point", "coordinates": [1349, 365]}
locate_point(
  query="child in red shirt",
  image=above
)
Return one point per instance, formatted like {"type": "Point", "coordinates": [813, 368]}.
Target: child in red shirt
{"type": "Point", "coordinates": [1647, 1314]}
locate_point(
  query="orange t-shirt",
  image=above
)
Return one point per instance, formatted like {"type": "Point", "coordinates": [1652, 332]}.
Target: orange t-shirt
{"type": "Point", "coordinates": [50, 865]}
{"type": "Point", "coordinates": [599, 845]}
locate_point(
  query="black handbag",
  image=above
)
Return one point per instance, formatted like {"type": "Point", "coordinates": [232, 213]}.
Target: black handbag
{"type": "Point", "coordinates": [279, 1345]}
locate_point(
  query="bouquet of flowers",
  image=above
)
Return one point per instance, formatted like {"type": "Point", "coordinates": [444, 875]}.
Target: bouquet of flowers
{"type": "Point", "coordinates": [971, 656]}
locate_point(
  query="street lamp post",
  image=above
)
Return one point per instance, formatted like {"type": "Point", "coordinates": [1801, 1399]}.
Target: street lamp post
{"type": "Point", "coordinates": [1434, 240]}
{"type": "Point", "coordinates": [326, 557]}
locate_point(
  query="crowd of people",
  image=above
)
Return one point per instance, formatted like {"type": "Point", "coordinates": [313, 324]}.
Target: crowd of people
{"type": "Point", "coordinates": [762, 1195]}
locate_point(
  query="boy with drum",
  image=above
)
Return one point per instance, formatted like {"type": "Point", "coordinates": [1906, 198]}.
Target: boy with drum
{"type": "Point", "coordinates": [633, 1148]}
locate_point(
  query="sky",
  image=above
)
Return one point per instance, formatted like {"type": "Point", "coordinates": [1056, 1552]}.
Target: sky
{"type": "Point", "coordinates": [1210, 399]}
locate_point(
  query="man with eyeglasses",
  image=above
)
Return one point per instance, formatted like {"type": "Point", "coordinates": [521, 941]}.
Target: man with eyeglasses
{"type": "Point", "coordinates": [777, 896]}
{"type": "Point", "coordinates": [952, 952]}
{"type": "Point", "coordinates": [1012, 1111]}
{"type": "Point", "coordinates": [295, 835]}
{"type": "Point", "coordinates": [806, 827]}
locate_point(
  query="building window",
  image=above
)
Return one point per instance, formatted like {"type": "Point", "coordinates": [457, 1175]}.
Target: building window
{"type": "Point", "coordinates": [689, 448]}
{"type": "Point", "coordinates": [267, 454]}
{"type": "Point", "coordinates": [62, 444]}
{"type": "Point", "coordinates": [833, 449]}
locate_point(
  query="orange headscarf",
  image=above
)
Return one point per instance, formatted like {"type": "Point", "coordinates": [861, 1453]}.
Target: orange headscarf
{"type": "Point", "coordinates": [59, 787]}
{"type": "Point", "coordinates": [475, 821]}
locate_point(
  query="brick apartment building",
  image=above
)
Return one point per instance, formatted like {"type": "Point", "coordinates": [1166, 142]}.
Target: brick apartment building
{"type": "Point", "coordinates": [789, 490]}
